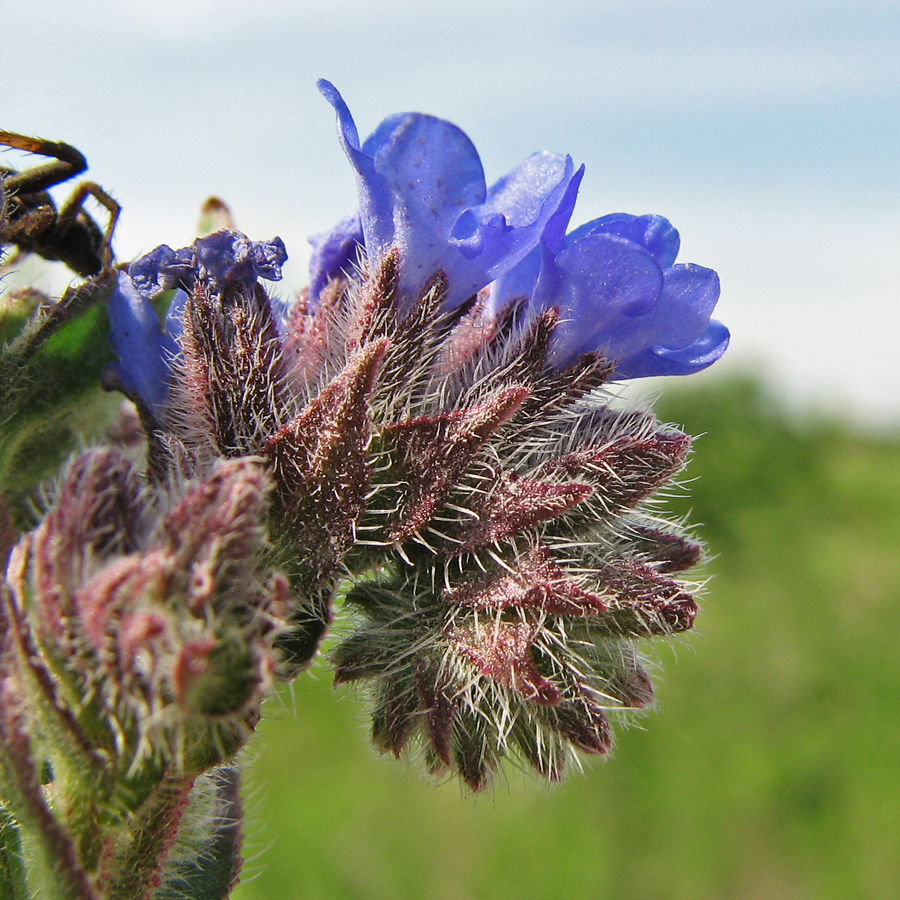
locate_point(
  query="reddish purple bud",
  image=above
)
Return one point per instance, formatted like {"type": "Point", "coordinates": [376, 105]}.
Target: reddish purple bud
{"type": "Point", "coordinates": [670, 551]}
{"type": "Point", "coordinates": [502, 651]}
{"type": "Point", "coordinates": [630, 684]}
{"type": "Point", "coordinates": [233, 376]}
{"type": "Point", "coordinates": [553, 390]}
{"type": "Point", "coordinates": [584, 724]}
{"type": "Point", "coordinates": [431, 452]}
{"type": "Point", "coordinates": [116, 589]}
{"type": "Point", "coordinates": [138, 635]}
{"type": "Point", "coordinates": [373, 311]}
{"type": "Point", "coordinates": [96, 515]}
{"type": "Point", "coordinates": [357, 658]}
{"type": "Point", "coordinates": [439, 709]}
{"type": "Point", "coordinates": [644, 602]}
{"type": "Point", "coordinates": [625, 470]}
{"type": "Point", "coordinates": [514, 505]}
{"type": "Point", "coordinates": [19, 647]}
{"type": "Point", "coordinates": [473, 755]}
{"type": "Point", "coordinates": [394, 716]}
{"type": "Point", "coordinates": [215, 531]}
{"type": "Point", "coordinates": [309, 334]}
{"type": "Point", "coordinates": [414, 334]}
{"type": "Point", "coordinates": [472, 767]}
{"type": "Point", "coordinates": [537, 584]}
{"type": "Point", "coordinates": [320, 462]}
{"type": "Point", "coordinates": [468, 339]}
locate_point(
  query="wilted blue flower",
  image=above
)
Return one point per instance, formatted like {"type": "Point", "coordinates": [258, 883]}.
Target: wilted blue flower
{"type": "Point", "coordinates": [144, 344]}
{"type": "Point", "coordinates": [422, 189]}
{"type": "Point", "coordinates": [614, 280]}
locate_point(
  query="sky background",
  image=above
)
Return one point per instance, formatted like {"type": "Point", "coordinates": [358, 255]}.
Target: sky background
{"type": "Point", "coordinates": [768, 133]}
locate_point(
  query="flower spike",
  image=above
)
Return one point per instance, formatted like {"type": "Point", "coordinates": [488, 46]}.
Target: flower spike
{"type": "Point", "coordinates": [431, 419]}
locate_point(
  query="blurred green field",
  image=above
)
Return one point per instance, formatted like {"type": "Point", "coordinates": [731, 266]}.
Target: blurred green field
{"type": "Point", "coordinates": [769, 769]}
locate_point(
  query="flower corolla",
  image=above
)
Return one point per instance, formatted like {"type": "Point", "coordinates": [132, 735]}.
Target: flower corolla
{"type": "Point", "coordinates": [620, 293]}
{"type": "Point", "coordinates": [614, 281]}
{"type": "Point", "coordinates": [422, 189]}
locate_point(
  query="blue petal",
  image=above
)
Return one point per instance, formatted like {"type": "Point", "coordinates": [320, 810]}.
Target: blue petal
{"type": "Point", "coordinates": [602, 285]}
{"type": "Point", "coordinates": [421, 189]}
{"type": "Point", "coordinates": [653, 233]}
{"type": "Point", "coordinates": [334, 252]}
{"type": "Point", "coordinates": [689, 296]}
{"type": "Point", "coordinates": [138, 340]}
{"type": "Point", "coordinates": [416, 176]}
{"type": "Point", "coordinates": [555, 230]}
{"type": "Point", "coordinates": [374, 197]}
{"type": "Point", "coordinates": [173, 326]}
{"type": "Point", "coordinates": [433, 173]}
{"type": "Point", "coordinates": [708, 348]}
{"type": "Point", "coordinates": [516, 284]}
{"type": "Point", "coordinates": [510, 223]}
{"type": "Point", "coordinates": [233, 257]}
{"type": "Point", "coordinates": [268, 258]}
{"type": "Point", "coordinates": [147, 271]}
{"type": "Point", "coordinates": [219, 257]}
{"type": "Point", "coordinates": [677, 321]}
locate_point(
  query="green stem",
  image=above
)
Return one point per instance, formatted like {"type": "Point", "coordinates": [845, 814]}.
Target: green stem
{"type": "Point", "coordinates": [57, 864]}
{"type": "Point", "coordinates": [13, 879]}
{"type": "Point", "coordinates": [132, 870]}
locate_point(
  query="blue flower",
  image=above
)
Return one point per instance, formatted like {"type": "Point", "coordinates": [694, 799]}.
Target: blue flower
{"type": "Point", "coordinates": [146, 346]}
{"type": "Point", "coordinates": [620, 293]}
{"type": "Point", "coordinates": [422, 189]}
{"type": "Point", "coordinates": [614, 280]}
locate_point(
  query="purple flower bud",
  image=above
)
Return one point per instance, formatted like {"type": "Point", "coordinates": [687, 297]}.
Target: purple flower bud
{"type": "Point", "coordinates": [156, 597]}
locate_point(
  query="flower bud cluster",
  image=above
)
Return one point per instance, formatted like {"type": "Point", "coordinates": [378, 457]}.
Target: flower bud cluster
{"type": "Point", "coordinates": [140, 641]}
{"type": "Point", "coordinates": [485, 505]}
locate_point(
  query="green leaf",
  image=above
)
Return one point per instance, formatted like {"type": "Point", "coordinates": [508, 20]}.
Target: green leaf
{"type": "Point", "coordinates": [50, 384]}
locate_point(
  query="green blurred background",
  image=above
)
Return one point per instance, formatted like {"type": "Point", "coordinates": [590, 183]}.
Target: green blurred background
{"type": "Point", "coordinates": [769, 768]}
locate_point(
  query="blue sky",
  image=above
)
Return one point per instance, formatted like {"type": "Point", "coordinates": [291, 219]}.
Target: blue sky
{"type": "Point", "coordinates": [769, 133]}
